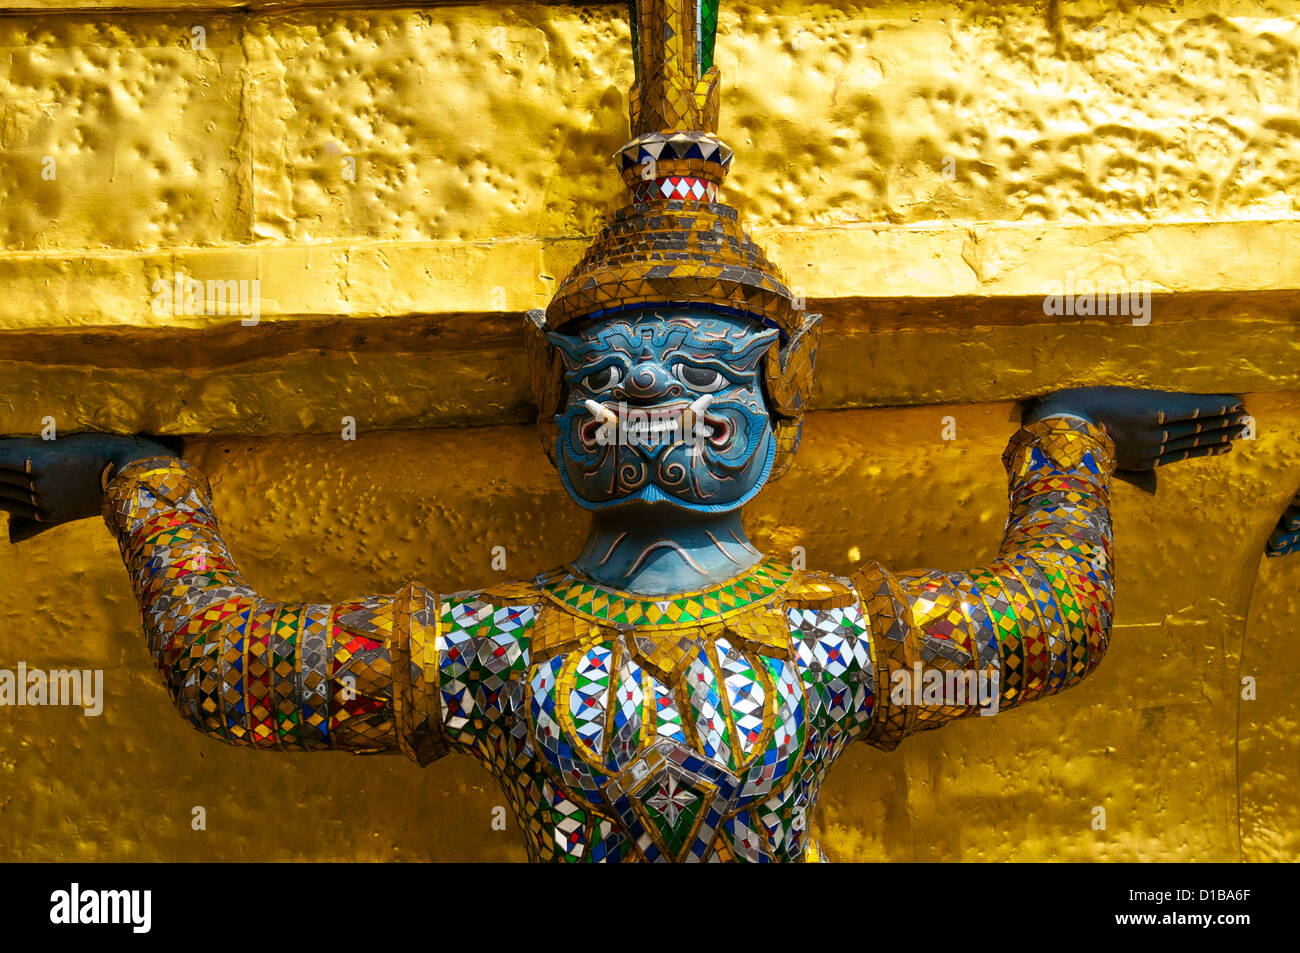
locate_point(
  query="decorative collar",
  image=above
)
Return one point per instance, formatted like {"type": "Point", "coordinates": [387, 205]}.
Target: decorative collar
{"type": "Point", "coordinates": [613, 607]}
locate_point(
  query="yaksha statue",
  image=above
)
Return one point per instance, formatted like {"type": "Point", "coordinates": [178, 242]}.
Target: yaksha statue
{"type": "Point", "coordinates": [672, 693]}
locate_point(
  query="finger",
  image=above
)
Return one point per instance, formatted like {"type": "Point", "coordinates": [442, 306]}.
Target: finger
{"type": "Point", "coordinates": [10, 478]}
{"type": "Point", "coordinates": [18, 454]}
{"type": "Point", "coordinates": [1178, 456]}
{"type": "Point", "coordinates": [1170, 432]}
{"type": "Point", "coordinates": [20, 508]}
{"type": "Point", "coordinates": [1176, 407]}
{"type": "Point", "coordinates": [17, 494]}
{"type": "Point", "coordinates": [1211, 439]}
{"type": "Point", "coordinates": [1282, 543]}
{"type": "Point", "coordinates": [21, 466]}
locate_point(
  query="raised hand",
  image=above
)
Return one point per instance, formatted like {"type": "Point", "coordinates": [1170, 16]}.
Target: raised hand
{"type": "Point", "coordinates": [1285, 539]}
{"type": "Point", "coordinates": [1151, 428]}
{"type": "Point", "coordinates": [47, 482]}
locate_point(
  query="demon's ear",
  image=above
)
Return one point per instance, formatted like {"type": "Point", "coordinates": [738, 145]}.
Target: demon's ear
{"type": "Point", "coordinates": [546, 370]}
{"type": "Point", "coordinates": [789, 371]}
{"type": "Point", "coordinates": [567, 346]}
{"type": "Point", "coordinates": [787, 379]}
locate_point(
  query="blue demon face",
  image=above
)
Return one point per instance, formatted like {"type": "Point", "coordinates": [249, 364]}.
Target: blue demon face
{"type": "Point", "coordinates": [665, 407]}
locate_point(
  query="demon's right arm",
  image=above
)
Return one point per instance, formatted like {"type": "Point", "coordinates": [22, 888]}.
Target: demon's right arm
{"type": "Point", "coordinates": [249, 671]}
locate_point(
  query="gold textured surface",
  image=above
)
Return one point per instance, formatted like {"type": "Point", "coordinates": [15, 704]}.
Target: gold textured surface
{"type": "Point", "coordinates": [1270, 753]}
{"type": "Point", "coordinates": [1152, 119]}
{"type": "Point", "coordinates": [1160, 149]}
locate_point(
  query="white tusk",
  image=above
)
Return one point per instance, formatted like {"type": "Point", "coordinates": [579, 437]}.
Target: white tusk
{"type": "Point", "coordinates": [696, 415]}
{"type": "Point", "coordinates": [602, 413]}
{"type": "Point", "coordinates": [700, 406]}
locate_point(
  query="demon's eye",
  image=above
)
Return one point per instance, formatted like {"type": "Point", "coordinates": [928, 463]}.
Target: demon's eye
{"type": "Point", "coordinates": [602, 380]}
{"type": "Point", "coordinates": [702, 379]}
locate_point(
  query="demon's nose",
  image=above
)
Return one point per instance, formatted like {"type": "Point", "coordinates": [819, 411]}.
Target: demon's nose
{"type": "Point", "coordinates": [648, 382]}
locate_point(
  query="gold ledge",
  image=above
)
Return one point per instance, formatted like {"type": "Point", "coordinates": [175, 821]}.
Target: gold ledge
{"type": "Point", "coordinates": [426, 334]}
{"type": "Point", "coordinates": [375, 279]}
{"type": "Point", "coordinates": [388, 384]}
{"type": "Point", "coordinates": [853, 325]}
{"type": "Point", "coordinates": [228, 342]}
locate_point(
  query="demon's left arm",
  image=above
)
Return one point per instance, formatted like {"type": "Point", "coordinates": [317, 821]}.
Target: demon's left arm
{"type": "Point", "coordinates": [1037, 619]}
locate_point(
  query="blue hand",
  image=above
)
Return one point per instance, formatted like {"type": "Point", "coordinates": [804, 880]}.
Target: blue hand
{"type": "Point", "coordinates": [47, 482]}
{"type": "Point", "coordinates": [1285, 539]}
{"type": "Point", "coordinates": [1151, 428]}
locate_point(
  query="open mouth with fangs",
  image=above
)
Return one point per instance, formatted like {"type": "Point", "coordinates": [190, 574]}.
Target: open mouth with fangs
{"type": "Point", "coordinates": [654, 427]}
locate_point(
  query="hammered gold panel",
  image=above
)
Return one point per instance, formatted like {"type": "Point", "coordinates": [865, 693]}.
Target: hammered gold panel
{"type": "Point", "coordinates": [1012, 111]}
{"type": "Point", "coordinates": [456, 123]}
{"type": "Point", "coordinates": [481, 121]}
{"type": "Point", "coordinates": [879, 112]}
{"type": "Point", "coordinates": [117, 133]}
{"type": "Point", "coordinates": [484, 134]}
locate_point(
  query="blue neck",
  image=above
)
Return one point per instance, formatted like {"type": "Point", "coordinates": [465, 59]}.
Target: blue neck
{"type": "Point", "coordinates": [660, 549]}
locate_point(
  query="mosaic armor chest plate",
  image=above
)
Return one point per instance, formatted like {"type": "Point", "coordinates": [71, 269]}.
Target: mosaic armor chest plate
{"type": "Point", "coordinates": [692, 728]}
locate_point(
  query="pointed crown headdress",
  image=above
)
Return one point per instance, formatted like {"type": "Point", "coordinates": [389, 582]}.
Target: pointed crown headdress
{"type": "Point", "coordinates": [675, 243]}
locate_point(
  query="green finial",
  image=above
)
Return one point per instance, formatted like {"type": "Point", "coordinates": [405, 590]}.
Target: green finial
{"type": "Point", "coordinates": [706, 19]}
{"type": "Point", "coordinates": [708, 32]}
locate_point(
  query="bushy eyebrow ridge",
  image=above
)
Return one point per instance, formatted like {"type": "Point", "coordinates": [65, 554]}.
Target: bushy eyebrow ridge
{"type": "Point", "coordinates": [734, 343]}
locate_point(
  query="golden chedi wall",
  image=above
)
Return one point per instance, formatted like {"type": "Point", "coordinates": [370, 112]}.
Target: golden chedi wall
{"type": "Point", "coordinates": [404, 182]}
